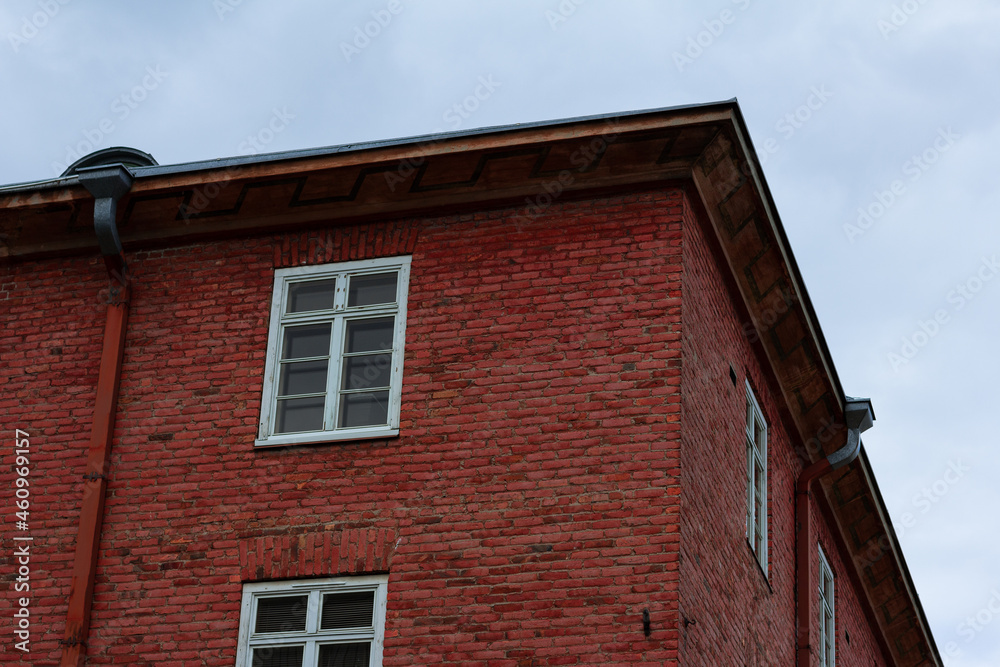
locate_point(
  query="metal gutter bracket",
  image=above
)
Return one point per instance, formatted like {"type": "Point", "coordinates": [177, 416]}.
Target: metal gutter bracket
{"type": "Point", "coordinates": [859, 416]}
{"type": "Point", "coordinates": [108, 183]}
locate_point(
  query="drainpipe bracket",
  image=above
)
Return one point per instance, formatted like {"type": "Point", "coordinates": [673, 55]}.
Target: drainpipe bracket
{"type": "Point", "coordinates": [108, 184]}
{"type": "Point", "coordinates": [859, 416]}
{"type": "Point", "coordinates": [119, 288]}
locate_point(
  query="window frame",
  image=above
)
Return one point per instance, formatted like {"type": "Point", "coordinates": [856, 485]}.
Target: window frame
{"type": "Point", "coordinates": [756, 454]}
{"type": "Point", "coordinates": [341, 313]}
{"type": "Point", "coordinates": [827, 612]}
{"type": "Point", "coordinates": [314, 588]}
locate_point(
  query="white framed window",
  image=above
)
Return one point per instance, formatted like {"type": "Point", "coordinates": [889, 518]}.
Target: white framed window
{"type": "Point", "coordinates": [334, 368]}
{"type": "Point", "coordinates": [756, 470]}
{"type": "Point", "coordinates": [313, 623]}
{"type": "Point", "coordinates": [827, 618]}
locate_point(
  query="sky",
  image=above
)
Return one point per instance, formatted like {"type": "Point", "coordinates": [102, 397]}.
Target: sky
{"type": "Point", "coordinates": [874, 121]}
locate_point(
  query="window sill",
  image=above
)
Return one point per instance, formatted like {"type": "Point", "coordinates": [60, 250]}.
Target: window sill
{"type": "Point", "coordinates": [326, 437]}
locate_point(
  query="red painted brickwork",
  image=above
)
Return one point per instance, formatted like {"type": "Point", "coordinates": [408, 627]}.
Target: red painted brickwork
{"type": "Point", "coordinates": [732, 614]}
{"type": "Point", "coordinates": [52, 317]}
{"type": "Point", "coordinates": [527, 514]}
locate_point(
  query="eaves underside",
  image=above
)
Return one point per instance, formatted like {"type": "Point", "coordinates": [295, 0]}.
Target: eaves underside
{"type": "Point", "coordinates": [430, 180]}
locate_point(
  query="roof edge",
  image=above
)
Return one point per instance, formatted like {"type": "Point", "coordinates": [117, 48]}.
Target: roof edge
{"type": "Point", "coordinates": [338, 149]}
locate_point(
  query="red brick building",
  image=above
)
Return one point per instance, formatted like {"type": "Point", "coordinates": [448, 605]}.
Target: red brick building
{"type": "Point", "coordinates": [539, 395]}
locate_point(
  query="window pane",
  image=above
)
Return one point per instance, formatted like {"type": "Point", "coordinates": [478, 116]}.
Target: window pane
{"type": "Point", "coordinates": [300, 414]}
{"type": "Point", "coordinates": [312, 295]}
{"type": "Point", "coordinates": [344, 655]}
{"type": "Point", "coordinates": [347, 610]}
{"type": "Point", "coordinates": [277, 656]}
{"type": "Point", "coordinates": [829, 640]}
{"type": "Point", "coordinates": [303, 377]}
{"type": "Point", "coordinates": [284, 614]}
{"type": "Point", "coordinates": [750, 490]}
{"type": "Point", "coordinates": [310, 341]}
{"type": "Point", "coordinates": [371, 290]}
{"type": "Point", "coordinates": [369, 335]}
{"type": "Point", "coordinates": [368, 371]}
{"type": "Point", "coordinates": [758, 510]}
{"type": "Point", "coordinates": [364, 409]}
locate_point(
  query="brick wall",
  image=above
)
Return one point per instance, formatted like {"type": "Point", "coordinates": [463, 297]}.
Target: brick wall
{"type": "Point", "coordinates": [50, 346]}
{"type": "Point", "coordinates": [527, 514]}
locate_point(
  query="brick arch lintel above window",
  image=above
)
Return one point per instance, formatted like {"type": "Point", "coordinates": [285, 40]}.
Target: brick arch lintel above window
{"type": "Point", "coordinates": [321, 554]}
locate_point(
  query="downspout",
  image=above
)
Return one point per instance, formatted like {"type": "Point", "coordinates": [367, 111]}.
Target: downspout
{"type": "Point", "coordinates": [859, 416]}
{"type": "Point", "coordinates": [108, 183]}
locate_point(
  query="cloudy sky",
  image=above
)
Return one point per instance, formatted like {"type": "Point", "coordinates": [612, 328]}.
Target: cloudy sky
{"type": "Point", "coordinates": [874, 119]}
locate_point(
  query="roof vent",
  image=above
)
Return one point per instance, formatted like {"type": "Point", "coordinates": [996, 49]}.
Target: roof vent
{"type": "Point", "coordinates": [129, 157]}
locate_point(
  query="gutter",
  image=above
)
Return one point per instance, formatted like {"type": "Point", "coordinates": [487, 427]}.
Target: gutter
{"type": "Point", "coordinates": [108, 184]}
{"type": "Point", "coordinates": [859, 416]}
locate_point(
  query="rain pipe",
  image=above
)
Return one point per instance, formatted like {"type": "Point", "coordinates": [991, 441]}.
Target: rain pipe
{"type": "Point", "coordinates": [107, 183]}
